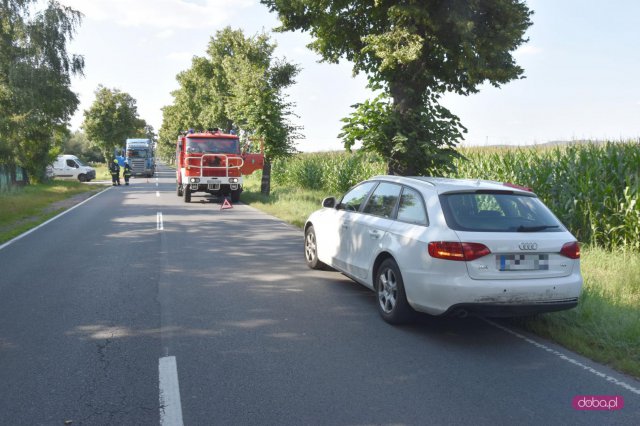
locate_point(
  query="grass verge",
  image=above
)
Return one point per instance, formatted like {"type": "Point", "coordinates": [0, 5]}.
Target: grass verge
{"type": "Point", "coordinates": [27, 207]}
{"type": "Point", "coordinates": [605, 325]}
{"type": "Point", "coordinates": [293, 205]}
{"type": "Point", "coordinates": [102, 172]}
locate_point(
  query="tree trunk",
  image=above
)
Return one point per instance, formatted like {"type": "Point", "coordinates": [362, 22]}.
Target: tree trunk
{"type": "Point", "coordinates": [401, 166]}
{"type": "Point", "coordinates": [407, 99]}
{"type": "Point", "coordinates": [393, 167]}
{"type": "Point", "coordinates": [265, 186]}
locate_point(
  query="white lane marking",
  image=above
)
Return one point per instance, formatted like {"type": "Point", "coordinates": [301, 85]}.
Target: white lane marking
{"type": "Point", "coordinates": [566, 358]}
{"type": "Point", "coordinates": [170, 407]}
{"type": "Point", "coordinates": [50, 220]}
{"type": "Point", "coordinates": [159, 222]}
{"type": "Point", "coordinates": [157, 193]}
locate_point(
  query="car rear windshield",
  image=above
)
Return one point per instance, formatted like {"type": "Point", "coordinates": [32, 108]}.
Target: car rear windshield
{"type": "Point", "coordinates": [496, 211]}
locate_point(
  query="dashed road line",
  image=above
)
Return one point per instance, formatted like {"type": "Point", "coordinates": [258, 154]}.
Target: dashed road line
{"type": "Point", "coordinates": [159, 222]}
{"type": "Point", "coordinates": [566, 358]}
{"type": "Point", "coordinates": [170, 406]}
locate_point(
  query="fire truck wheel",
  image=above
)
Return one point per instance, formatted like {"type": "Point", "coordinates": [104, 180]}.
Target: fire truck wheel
{"type": "Point", "coordinates": [235, 196]}
{"type": "Point", "coordinates": [187, 194]}
{"type": "Point", "coordinates": [179, 190]}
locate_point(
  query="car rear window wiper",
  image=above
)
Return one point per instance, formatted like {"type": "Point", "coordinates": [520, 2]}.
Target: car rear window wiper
{"type": "Point", "coordinates": [523, 228]}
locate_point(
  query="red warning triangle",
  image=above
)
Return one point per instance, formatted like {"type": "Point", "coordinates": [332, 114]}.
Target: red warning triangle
{"type": "Point", "coordinates": [226, 205]}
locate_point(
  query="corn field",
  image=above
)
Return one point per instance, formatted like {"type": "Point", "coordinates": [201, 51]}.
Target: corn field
{"type": "Point", "coordinates": [333, 172]}
{"type": "Point", "coordinates": [592, 188]}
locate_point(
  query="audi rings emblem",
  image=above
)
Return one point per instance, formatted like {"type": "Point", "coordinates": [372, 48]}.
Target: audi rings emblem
{"type": "Point", "coordinates": [528, 246]}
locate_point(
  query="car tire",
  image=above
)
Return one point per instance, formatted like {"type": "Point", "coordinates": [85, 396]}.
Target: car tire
{"type": "Point", "coordinates": [311, 250]}
{"type": "Point", "coordinates": [390, 294]}
{"type": "Point", "coordinates": [235, 195]}
{"type": "Point", "coordinates": [179, 190]}
{"type": "Point", "coordinates": [82, 177]}
{"type": "Point", "coordinates": [187, 194]}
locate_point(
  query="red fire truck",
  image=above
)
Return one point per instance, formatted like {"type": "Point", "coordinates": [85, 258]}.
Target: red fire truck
{"type": "Point", "coordinates": [212, 162]}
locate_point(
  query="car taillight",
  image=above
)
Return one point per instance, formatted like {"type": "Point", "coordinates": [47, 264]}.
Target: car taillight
{"type": "Point", "coordinates": [571, 250]}
{"type": "Point", "coordinates": [451, 250]}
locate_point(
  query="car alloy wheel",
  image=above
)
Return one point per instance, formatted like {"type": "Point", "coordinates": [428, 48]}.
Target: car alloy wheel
{"type": "Point", "coordinates": [311, 250]}
{"type": "Point", "coordinates": [392, 300]}
{"type": "Point", "coordinates": [388, 290]}
{"type": "Point", "coordinates": [310, 247]}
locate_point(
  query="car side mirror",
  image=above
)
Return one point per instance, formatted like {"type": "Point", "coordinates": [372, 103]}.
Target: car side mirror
{"type": "Point", "coordinates": [329, 202]}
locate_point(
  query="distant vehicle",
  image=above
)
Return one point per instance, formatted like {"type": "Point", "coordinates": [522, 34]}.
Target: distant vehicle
{"type": "Point", "coordinates": [70, 167]}
{"type": "Point", "coordinates": [141, 157]}
{"type": "Point", "coordinates": [447, 246]}
{"type": "Point", "coordinates": [212, 162]}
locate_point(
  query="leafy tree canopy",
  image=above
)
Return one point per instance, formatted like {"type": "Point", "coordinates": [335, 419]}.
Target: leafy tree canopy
{"type": "Point", "coordinates": [413, 51]}
{"type": "Point", "coordinates": [77, 143]}
{"type": "Point", "coordinates": [111, 119]}
{"type": "Point", "coordinates": [36, 101]}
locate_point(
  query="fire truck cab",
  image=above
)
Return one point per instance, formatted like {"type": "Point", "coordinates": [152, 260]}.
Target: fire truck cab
{"type": "Point", "coordinates": [212, 162]}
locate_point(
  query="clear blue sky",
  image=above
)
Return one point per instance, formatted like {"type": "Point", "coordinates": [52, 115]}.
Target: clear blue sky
{"type": "Point", "coordinates": [581, 66]}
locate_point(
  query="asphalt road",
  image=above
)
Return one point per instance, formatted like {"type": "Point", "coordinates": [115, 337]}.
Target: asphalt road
{"type": "Point", "coordinates": [136, 308]}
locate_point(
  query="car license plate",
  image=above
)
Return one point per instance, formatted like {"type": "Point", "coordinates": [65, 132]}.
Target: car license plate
{"type": "Point", "coordinates": [213, 181]}
{"type": "Point", "coordinates": [522, 262]}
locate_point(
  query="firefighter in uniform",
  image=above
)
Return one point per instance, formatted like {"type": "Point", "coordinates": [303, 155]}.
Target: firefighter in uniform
{"type": "Point", "coordinates": [126, 172]}
{"type": "Point", "coordinates": [114, 169]}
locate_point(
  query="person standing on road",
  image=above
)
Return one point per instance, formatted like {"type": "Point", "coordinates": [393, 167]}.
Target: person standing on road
{"type": "Point", "coordinates": [114, 169]}
{"type": "Point", "coordinates": [126, 172]}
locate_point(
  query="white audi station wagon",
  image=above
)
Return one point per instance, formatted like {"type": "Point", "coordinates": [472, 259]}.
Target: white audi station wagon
{"type": "Point", "coordinates": [447, 247]}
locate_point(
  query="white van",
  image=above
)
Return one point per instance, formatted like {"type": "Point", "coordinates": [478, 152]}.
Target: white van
{"type": "Point", "coordinates": [70, 167]}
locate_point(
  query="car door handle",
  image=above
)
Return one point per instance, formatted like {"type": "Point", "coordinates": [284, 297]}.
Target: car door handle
{"type": "Point", "coordinates": [374, 234]}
